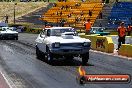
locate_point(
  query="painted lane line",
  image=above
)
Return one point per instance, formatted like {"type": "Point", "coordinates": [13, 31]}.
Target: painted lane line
{"type": "Point", "coordinates": [8, 80]}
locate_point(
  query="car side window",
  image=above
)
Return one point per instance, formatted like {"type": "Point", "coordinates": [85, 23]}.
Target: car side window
{"type": "Point", "coordinates": [45, 32]}
{"type": "Point", "coordinates": [48, 32]}
{"type": "Point", "coordinates": [4, 29]}
{"type": "Point", "coordinates": [42, 34]}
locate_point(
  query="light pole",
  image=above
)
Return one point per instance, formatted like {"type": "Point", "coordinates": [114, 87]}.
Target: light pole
{"type": "Point", "coordinates": [15, 12]}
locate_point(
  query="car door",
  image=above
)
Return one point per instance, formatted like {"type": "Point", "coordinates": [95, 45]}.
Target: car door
{"type": "Point", "coordinates": [41, 41]}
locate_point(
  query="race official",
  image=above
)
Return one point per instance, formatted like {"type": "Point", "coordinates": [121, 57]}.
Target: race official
{"type": "Point", "coordinates": [121, 34]}
{"type": "Point", "coordinates": [87, 25]}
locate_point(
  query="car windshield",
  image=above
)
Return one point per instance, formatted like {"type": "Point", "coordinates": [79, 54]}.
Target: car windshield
{"type": "Point", "coordinates": [100, 29]}
{"type": "Point", "coordinates": [97, 29]}
{"type": "Point", "coordinates": [4, 29]}
{"type": "Point", "coordinates": [58, 32]}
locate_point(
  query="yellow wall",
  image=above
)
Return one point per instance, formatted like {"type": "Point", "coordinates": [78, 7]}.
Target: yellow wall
{"type": "Point", "coordinates": [100, 43]}
{"type": "Point", "coordinates": [126, 50]}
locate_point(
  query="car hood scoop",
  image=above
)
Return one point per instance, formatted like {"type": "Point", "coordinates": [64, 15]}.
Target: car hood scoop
{"type": "Point", "coordinates": [67, 35]}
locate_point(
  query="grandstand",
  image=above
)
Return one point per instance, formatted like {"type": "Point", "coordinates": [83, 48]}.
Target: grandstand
{"type": "Point", "coordinates": [121, 11]}
{"type": "Point", "coordinates": [113, 13]}
{"type": "Point", "coordinates": [74, 8]}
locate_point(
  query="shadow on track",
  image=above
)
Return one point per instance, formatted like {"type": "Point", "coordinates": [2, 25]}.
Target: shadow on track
{"type": "Point", "coordinates": [64, 62]}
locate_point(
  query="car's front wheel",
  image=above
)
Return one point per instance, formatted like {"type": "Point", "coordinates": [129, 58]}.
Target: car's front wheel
{"type": "Point", "coordinates": [85, 58]}
{"type": "Point", "coordinates": [49, 55]}
{"type": "Point", "coordinates": [1, 38]}
{"type": "Point", "coordinates": [38, 54]}
{"type": "Point", "coordinates": [16, 38]}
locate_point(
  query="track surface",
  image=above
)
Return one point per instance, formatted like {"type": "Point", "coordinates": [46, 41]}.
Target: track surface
{"type": "Point", "coordinates": [18, 60]}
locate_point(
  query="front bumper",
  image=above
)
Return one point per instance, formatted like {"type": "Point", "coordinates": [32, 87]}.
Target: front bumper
{"type": "Point", "coordinates": [8, 36]}
{"type": "Point", "coordinates": [69, 51]}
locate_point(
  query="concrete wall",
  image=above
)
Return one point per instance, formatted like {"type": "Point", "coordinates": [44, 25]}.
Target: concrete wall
{"type": "Point", "coordinates": [126, 50]}
{"type": "Point", "coordinates": [100, 43]}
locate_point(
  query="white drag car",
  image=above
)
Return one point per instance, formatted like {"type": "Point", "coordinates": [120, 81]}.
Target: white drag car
{"type": "Point", "coordinates": [64, 42]}
{"type": "Point", "coordinates": [8, 33]}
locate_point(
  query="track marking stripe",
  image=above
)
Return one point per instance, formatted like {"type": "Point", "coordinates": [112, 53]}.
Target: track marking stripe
{"type": "Point", "coordinates": [8, 81]}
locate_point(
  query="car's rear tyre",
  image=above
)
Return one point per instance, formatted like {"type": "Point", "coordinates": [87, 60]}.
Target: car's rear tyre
{"type": "Point", "coordinates": [85, 58]}
{"type": "Point", "coordinates": [49, 56]}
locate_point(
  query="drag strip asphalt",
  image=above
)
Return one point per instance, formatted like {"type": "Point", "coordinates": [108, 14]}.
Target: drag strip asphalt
{"type": "Point", "coordinates": [19, 61]}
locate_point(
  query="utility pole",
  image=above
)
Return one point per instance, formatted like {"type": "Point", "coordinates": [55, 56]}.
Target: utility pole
{"type": "Point", "coordinates": [15, 12]}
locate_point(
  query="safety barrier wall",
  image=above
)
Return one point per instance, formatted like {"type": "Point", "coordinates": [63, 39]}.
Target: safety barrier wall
{"type": "Point", "coordinates": [125, 50]}
{"type": "Point", "coordinates": [100, 43]}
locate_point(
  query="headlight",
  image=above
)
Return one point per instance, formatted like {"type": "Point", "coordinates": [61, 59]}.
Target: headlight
{"type": "Point", "coordinates": [86, 44]}
{"type": "Point", "coordinates": [57, 45]}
